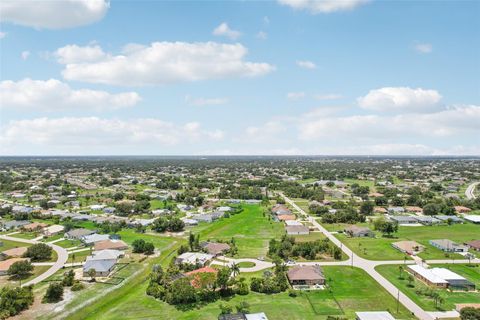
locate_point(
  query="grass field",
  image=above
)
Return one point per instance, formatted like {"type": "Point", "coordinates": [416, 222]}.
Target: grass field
{"type": "Point", "coordinates": [68, 243]}
{"type": "Point", "coordinates": [7, 244]}
{"type": "Point", "coordinates": [79, 256]}
{"type": "Point", "coordinates": [472, 273]}
{"type": "Point", "coordinates": [352, 290]}
{"type": "Point", "coordinates": [26, 235]}
{"type": "Point", "coordinates": [362, 183]}
{"type": "Point", "coordinates": [250, 228]}
{"type": "Point", "coordinates": [380, 248]}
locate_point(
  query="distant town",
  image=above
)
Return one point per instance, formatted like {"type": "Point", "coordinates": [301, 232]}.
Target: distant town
{"type": "Point", "coordinates": [368, 238]}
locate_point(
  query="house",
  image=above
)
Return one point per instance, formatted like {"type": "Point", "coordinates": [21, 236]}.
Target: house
{"type": "Point", "coordinates": [380, 210]}
{"type": "Point", "coordinates": [109, 210]}
{"type": "Point", "coordinates": [195, 275]}
{"type": "Point", "coordinates": [441, 277]}
{"type": "Point", "coordinates": [4, 265]}
{"type": "Point", "coordinates": [14, 224]}
{"type": "Point", "coordinates": [102, 267]}
{"type": "Point", "coordinates": [414, 209]}
{"type": "Point", "coordinates": [256, 316]}
{"type": "Point", "coordinates": [193, 258]}
{"type": "Point", "coordinates": [475, 245]}
{"type": "Point", "coordinates": [357, 231]}
{"type": "Point", "coordinates": [408, 247]}
{"type": "Point", "coordinates": [462, 209]}
{"type": "Point", "coordinates": [286, 217]}
{"type": "Point", "coordinates": [306, 275]}
{"type": "Point", "coordinates": [53, 230]}
{"type": "Point", "coordinates": [404, 220]}
{"type": "Point", "coordinates": [472, 218]}
{"type": "Point", "coordinates": [13, 253]}
{"type": "Point", "coordinates": [374, 315]}
{"type": "Point", "coordinates": [232, 316]}
{"type": "Point", "coordinates": [224, 209]}
{"type": "Point", "coordinates": [451, 219]}
{"type": "Point", "coordinates": [34, 226]}
{"type": "Point", "coordinates": [281, 209]}
{"type": "Point", "coordinates": [293, 223]}
{"type": "Point", "coordinates": [110, 244]}
{"type": "Point", "coordinates": [215, 248]}
{"type": "Point", "coordinates": [77, 234]}
{"type": "Point", "coordinates": [107, 254]}
{"type": "Point", "coordinates": [448, 245]}
{"type": "Point", "coordinates": [189, 222]}
{"type": "Point", "coordinates": [297, 230]}
{"type": "Point", "coordinates": [92, 238]}
{"type": "Point", "coordinates": [427, 220]}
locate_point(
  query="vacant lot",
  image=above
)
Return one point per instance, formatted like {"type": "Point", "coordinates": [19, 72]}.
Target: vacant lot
{"type": "Point", "coordinates": [251, 229]}
{"type": "Point", "coordinates": [471, 272]}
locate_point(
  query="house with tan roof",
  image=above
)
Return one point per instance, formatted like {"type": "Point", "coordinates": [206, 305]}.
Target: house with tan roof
{"type": "Point", "coordinates": [110, 245]}
{"type": "Point", "coordinates": [13, 253]}
{"type": "Point", "coordinates": [306, 275]}
{"type": "Point", "coordinates": [5, 265]}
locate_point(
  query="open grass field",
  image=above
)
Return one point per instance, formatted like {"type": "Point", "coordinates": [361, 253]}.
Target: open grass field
{"type": "Point", "coordinates": [362, 183]}
{"type": "Point", "coordinates": [68, 243]}
{"type": "Point", "coordinates": [129, 235]}
{"type": "Point", "coordinates": [472, 273]}
{"type": "Point", "coordinates": [26, 235]}
{"type": "Point", "coordinates": [352, 290]}
{"type": "Point", "coordinates": [380, 248]}
{"type": "Point", "coordinates": [251, 229]}
{"type": "Point", "coordinates": [309, 237]}
{"type": "Point", "coordinates": [7, 244]}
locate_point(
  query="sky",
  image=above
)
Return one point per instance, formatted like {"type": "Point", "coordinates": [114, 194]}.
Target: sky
{"type": "Point", "coordinates": [287, 77]}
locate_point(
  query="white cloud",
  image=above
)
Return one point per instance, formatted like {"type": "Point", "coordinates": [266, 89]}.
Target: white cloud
{"type": "Point", "coordinates": [199, 101]}
{"type": "Point", "coordinates": [71, 134]}
{"type": "Point", "coordinates": [161, 63]}
{"type": "Point", "coordinates": [224, 30]}
{"type": "Point", "coordinates": [25, 54]}
{"type": "Point", "coordinates": [262, 35]}
{"type": "Point", "coordinates": [54, 95]}
{"type": "Point", "coordinates": [323, 6]}
{"type": "Point", "coordinates": [295, 95]}
{"type": "Point", "coordinates": [76, 54]}
{"type": "Point", "coordinates": [402, 99]}
{"type": "Point", "coordinates": [2, 34]}
{"type": "Point", "coordinates": [305, 64]}
{"type": "Point", "coordinates": [453, 122]}
{"type": "Point", "coordinates": [53, 14]}
{"type": "Point", "coordinates": [328, 96]}
{"type": "Point", "coordinates": [423, 47]}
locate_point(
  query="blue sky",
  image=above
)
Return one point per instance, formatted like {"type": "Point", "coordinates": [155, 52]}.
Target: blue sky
{"type": "Point", "coordinates": [206, 77]}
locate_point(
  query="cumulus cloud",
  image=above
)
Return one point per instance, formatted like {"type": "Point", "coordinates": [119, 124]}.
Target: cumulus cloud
{"type": "Point", "coordinates": [199, 101]}
{"type": "Point", "coordinates": [423, 47]}
{"type": "Point", "coordinates": [53, 14]}
{"type": "Point", "coordinates": [295, 95]}
{"type": "Point", "coordinates": [224, 30]}
{"type": "Point", "coordinates": [403, 99]}
{"type": "Point", "coordinates": [95, 133]}
{"type": "Point", "coordinates": [160, 63]}
{"type": "Point", "coordinates": [323, 6]}
{"type": "Point", "coordinates": [54, 95]}
{"type": "Point", "coordinates": [305, 64]}
{"type": "Point", "coordinates": [76, 54]}
{"type": "Point", "coordinates": [453, 122]}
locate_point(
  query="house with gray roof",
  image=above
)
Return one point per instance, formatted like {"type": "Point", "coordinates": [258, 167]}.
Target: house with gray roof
{"type": "Point", "coordinates": [448, 245]}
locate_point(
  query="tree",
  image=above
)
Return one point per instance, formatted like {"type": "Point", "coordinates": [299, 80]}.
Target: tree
{"type": "Point", "coordinates": [410, 280]}
{"type": "Point", "coordinates": [470, 313]}
{"type": "Point", "coordinates": [92, 273]}
{"type": "Point", "coordinates": [243, 307]}
{"type": "Point", "coordinates": [367, 208]}
{"type": "Point", "coordinates": [235, 269]}
{"type": "Point", "coordinates": [39, 252]}
{"type": "Point", "coordinates": [15, 300]}
{"type": "Point", "coordinates": [138, 246]}
{"type": "Point", "coordinates": [149, 248]}
{"type": "Point", "coordinates": [225, 309]}
{"type": "Point", "coordinates": [223, 277]}
{"type": "Point", "coordinates": [386, 227]}
{"type": "Point", "coordinates": [68, 278]}
{"type": "Point", "coordinates": [180, 292]}
{"type": "Point", "coordinates": [20, 269]}
{"type": "Point", "coordinates": [54, 293]}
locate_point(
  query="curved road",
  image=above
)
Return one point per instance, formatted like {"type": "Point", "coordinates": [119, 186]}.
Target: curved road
{"type": "Point", "coordinates": [62, 257]}
{"type": "Point", "coordinates": [369, 266]}
{"type": "Point", "coordinates": [469, 193]}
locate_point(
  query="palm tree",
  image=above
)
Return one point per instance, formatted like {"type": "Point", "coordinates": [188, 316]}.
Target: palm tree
{"type": "Point", "coordinates": [235, 269]}
{"type": "Point", "coordinates": [73, 258]}
{"type": "Point", "coordinates": [400, 270]}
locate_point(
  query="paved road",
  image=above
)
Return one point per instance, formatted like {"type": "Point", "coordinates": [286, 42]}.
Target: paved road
{"type": "Point", "coordinates": [62, 256]}
{"type": "Point", "coordinates": [367, 265]}
{"type": "Point", "coordinates": [259, 264]}
{"type": "Point", "coordinates": [469, 193]}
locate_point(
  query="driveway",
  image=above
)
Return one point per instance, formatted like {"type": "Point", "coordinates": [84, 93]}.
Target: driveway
{"type": "Point", "coordinates": [469, 193]}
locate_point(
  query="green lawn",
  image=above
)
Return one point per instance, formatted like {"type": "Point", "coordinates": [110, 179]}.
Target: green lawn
{"type": "Point", "coordinates": [362, 183]}
{"type": "Point", "coordinates": [246, 264]}
{"type": "Point", "coordinates": [7, 244]}
{"type": "Point", "coordinates": [26, 235]}
{"type": "Point", "coordinates": [309, 237]}
{"type": "Point", "coordinates": [250, 228]}
{"type": "Point", "coordinates": [352, 290]}
{"type": "Point", "coordinates": [391, 272]}
{"type": "Point", "coordinates": [159, 241]}
{"type": "Point", "coordinates": [68, 243]}
{"type": "Point", "coordinates": [380, 248]}
{"type": "Point", "coordinates": [79, 256]}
